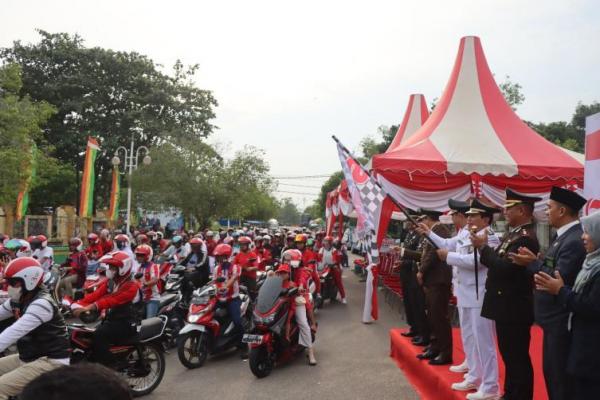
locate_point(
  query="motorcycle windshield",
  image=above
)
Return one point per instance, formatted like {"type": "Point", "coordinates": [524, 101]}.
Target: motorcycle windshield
{"type": "Point", "coordinates": [268, 294]}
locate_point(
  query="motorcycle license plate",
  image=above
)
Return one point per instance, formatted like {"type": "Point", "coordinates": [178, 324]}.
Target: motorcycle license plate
{"type": "Point", "coordinates": [252, 339]}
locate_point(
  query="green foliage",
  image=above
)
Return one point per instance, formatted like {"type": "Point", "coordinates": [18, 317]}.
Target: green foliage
{"type": "Point", "coordinates": [55, 182]}
{"type": "Point", "coordinates": [20, 121]}
{"type": "Point", "coordinates": [110, 95]}
{"type": "Point", "coordinates": [370, 145]}
{"type": "Point", "coordinates": [288, 213]}
{"type": "Point", "coordinates": [512, 92]}
{"type": "Point", "coordinates": [193, 177]}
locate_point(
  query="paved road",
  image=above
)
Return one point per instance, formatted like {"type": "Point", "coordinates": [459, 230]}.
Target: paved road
{"type": "Point", "coordinates": [354, 363]}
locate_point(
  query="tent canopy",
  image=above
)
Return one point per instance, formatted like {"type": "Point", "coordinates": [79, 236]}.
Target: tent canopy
{"type": "Point", "coordinates": [414, 117]}
{"type": "Point", "coordinates": [473, 133]}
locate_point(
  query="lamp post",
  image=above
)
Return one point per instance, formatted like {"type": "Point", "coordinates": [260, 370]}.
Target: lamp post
{"type": "Point", "coordinates": [131, 163]}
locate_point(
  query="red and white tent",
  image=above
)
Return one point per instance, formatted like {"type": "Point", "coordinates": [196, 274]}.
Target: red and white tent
{"type": "Point", "coordinates": [472, 145]}
{"type": "Point", "coordinates": [414, 117]}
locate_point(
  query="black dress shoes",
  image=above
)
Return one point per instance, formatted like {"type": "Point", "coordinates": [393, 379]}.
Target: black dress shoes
{"type": "Point", "coordinates": [419, 341]}
{"type": "Point", "coordinates": [408, 334]}
{"type": "Point", "coordinates": [428, 355]}
{"type": "Point", "coordinates": [441, 360]}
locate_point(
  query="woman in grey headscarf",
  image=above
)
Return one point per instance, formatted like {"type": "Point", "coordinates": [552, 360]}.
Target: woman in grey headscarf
{"type": "Point", "coordinates": [583, 301]}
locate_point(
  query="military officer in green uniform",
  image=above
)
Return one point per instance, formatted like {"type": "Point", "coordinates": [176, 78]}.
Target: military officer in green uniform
{"type": "Point", "coordinates": [508, 298]}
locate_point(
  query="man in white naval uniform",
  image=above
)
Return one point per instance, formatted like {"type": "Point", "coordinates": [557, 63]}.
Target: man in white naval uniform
{"type": "Point", "coordinates": [477, 332]}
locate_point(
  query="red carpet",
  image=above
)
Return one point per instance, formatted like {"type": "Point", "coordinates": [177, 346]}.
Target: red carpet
{"type": "Point", "coordinates": [433, 382]}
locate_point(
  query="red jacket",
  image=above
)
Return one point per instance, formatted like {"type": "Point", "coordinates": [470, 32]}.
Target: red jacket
{"type": "Point", "coordinates": [124, 293]}
{"type": "Point", "coordinates": [210, 246]}
{"type": "Point", "coordinates": [265, 258]}
{"type": "Point", "coordinates": [246, 260]}
{"type": "Point", "coordinates": [107, 246]}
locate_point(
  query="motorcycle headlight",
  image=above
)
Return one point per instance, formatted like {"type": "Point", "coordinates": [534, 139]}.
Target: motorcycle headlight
{"type": "Point", "coordinates": [264, 320]}
{"type": "Point", "coordinates": [192, 318]}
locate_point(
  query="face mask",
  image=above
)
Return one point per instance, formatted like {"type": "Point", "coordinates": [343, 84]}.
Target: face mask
{"type": "Point", "coordinates": [110, 274]}
{"type": "Point", "coordinates": [14, 293]}
{"type": "Point", "coordinates": [120, 245]}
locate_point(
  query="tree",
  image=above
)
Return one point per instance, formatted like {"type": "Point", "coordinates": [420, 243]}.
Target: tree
{"type": "Point", "coordinates": [20, 121]}
{"type": "Point", "coordinates": [288, 213]}
{"type": "Point", "coordinates": [512, 92]}
{"type": "Point", "coordinates": [114, 96]}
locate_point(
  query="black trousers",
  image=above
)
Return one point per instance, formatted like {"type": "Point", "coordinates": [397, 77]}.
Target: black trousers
{"type": "Point", "coordinates": [419, 306]}
{"type": "Point", "coordinates": [192, 281]}
{"type": "Point", "coordinates": [250, 284]}
{"type": "Point", "coordinates": [586, 388]}
{"type": "Point", "coordinates": [557, 342]}
{"type": "Point", "coordinates": [107, 334]}
{"type": "Point", "coordinates": [409, 293]}
{"type": "Point", "coordinates": [513, 343]}
{"type": "Point", "coordinates": [438, 297]}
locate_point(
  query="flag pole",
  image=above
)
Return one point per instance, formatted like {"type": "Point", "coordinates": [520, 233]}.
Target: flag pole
{"type": "Point", "coordinates": [400, 207]}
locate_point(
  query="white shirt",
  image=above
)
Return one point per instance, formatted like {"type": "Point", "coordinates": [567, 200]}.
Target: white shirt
{"type": "Point", "coordinates": [560, 231]}
{"type": "Point", "coordinates": [38, 312]}
{"type": "Point", "coordinates": [45, 256]}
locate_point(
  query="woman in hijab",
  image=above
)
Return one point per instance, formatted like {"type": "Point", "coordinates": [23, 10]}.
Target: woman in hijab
{"type": "Point", "coordinates": [583, 301]}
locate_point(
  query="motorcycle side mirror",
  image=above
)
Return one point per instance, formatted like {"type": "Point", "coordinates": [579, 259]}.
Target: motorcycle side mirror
{"type": "Point", "coordinates": [221, 279]}
{"type": "Point", "coordinates": [292, 291]}
{"type": "Point", "coordinates": [138, 275]}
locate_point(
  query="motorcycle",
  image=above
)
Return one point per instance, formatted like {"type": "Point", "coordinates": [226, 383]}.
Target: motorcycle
{"type": "Point", "coordinates": [172, 307]}
{"type": "Point", "coordinates": [274, 336]}
{"type": "Point", "coordinates": [328, 288]}
{"type": "Point", "coordinates": [140, 362]}
{"type": "Point", "coordinates": [174, 279]}
{"type": "Point", "coordinates": [92, 282]}
{"type": "Point", "coordinates": [210, 329]}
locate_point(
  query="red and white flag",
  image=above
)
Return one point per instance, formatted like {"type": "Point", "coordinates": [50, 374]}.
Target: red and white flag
{"type": "Point", "coordinates": [591, 182]}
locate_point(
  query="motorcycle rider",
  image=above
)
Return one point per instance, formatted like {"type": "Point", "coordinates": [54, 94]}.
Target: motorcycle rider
{"type": "Point", "coordinates": [76, 267]}
{"type": "Point", "coordinates": [230, 289]}
{"type": "Point", "coordinates": [39, 330]}
{"type": "Point", "coordinates": [94, 250]}
{"type": "Point", "coordinates": [198, 271]}
{"type": "Point", "coordinates": [303, 305]}
{"type": "Point", "coordinates": [332, 257]}
{"type": "Point", "coordinates": [247, 260]}
{"type": "Point", "coordinates": [42, 252]}
{"type": "Point", "coordinates": [105, 241]}
{"type": "Point", "coordinates": [120, 297]}
{"type": "Point", "coordinates": [149, 280]}
{"type": "Point", "coordinates": [266, 257]}
{"type": "Point", "coordinates": [176, 250]}
{"type": "Point", "coordinates": [309, 259]}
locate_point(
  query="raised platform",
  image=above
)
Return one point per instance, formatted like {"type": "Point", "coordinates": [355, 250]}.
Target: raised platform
{"type": "Point", "coordinates": [433, 382]}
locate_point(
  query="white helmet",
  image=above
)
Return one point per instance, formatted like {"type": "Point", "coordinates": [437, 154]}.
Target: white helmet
{"type": "Point", "coordinates": [118, 259]}
{"type": "Point", "coordinates": [267, 238]}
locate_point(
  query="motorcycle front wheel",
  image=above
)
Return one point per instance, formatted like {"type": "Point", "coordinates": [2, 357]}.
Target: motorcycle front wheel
{"type": "Point", "coordinates": [192, 349]}
{"type": "Point", "coordinates": [147, 368]}
{"type": "Point", "coordinates": [260, 362]}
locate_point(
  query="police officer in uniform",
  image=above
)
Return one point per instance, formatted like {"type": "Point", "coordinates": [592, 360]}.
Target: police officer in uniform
{"type": "Point", "coordinates": [508, 298]}
{"type": "Point", "coordinates": [408, 278]}
{"type": "Point", "coordinates": [565, 255]}
{"type": "Point", "coordinates": [436, 277]}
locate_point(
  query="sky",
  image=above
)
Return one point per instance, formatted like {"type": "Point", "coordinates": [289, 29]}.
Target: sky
{"type": "Point", "coordinates": [288, 75]}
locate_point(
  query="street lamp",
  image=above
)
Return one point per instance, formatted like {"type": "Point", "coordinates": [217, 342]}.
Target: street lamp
{"type": "Point", "coordinates": [131, 162]}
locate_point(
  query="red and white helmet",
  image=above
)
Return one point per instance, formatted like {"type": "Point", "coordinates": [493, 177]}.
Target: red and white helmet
{"type": "Point", "coordinates": [145, 251]}
{"type": "Point", "coordinates": [93, 238]}
{"type": "Point", "coordinates": [244, 240]}
{"type": "Point", "coordinates": [196, 241]}
{"type": "Point", "coordinates": [27, 269]}
{"type": "Point", "coordinates": [122, 238]}
{"type": "Point", "coordinates": [76, 243]}
{"type": "Point", "coordinates": [293, 257]}
{"type": "Point", "coordinates": [118, 259]}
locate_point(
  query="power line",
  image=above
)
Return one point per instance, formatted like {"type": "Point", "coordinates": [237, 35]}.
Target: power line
{"type": "Point", "coordinates": [302, 186]}
{"type": "Point", "coordinates": [302, 177]}
{"type": "Point", "coordinates": [298, 193]}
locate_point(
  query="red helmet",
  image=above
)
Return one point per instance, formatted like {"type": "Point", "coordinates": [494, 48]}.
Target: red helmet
{"type": "Point", "coordinates": [283, 268]}
{"type": "Point", "coordinates": [75, 241]}
{"type": "Point", "coordinates": [122, 238]}
{"type": "Point", "coordinates": [142, 238]}
{"type": "Point", "coordinates": [151, 234]}
{"type": "Point", "coordinates": [197, 241]}
{"type": "Point", "coordinates": [118, 259]}
{"type": "Point", "coordinates": [27, 269]}
{"type": "Point", "coordinates": [145, 251]}
{"type": "Point", "coordinates": [244, 240]}
{"type": "Point", "coordinates": [328, 239]}
{"type": "Point", "coordinates": [293, 256]}
{"type": "Point", "coordinates": [222, 250]}
{"type": "Point", "coordinates": [93, 238]}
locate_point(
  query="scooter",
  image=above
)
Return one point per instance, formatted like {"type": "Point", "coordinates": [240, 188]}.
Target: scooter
{"type": "Point", "coordinates": [328, 288]}
{"type": "Point", "coordinates": [274, 337]}
{"type": "Point", "coordinates": [210, 330]}
{"type": "Point", "coordinates": [172, 307]}
{"type": "Point", "coordinates": [140, 362]}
